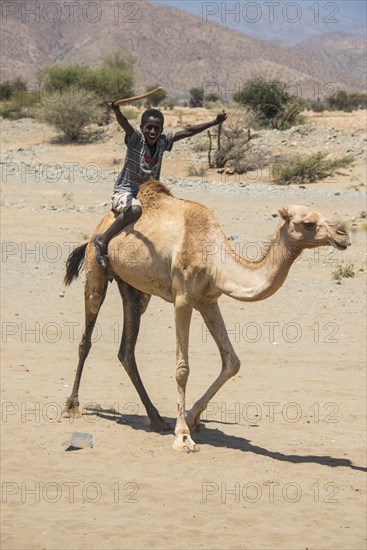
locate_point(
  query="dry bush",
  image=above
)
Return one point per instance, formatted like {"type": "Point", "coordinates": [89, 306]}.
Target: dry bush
{"type": "Point", "coordinates": [72, 112]}
{"type": "Point", "coordinates": [308, 169]}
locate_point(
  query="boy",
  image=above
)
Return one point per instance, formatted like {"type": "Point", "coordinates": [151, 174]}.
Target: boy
{"type": "Point", "coordinates": [145, 149]}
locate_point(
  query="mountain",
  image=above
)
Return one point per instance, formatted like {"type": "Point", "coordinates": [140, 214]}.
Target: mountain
{"type": "Point", "coordinates": [173, 48]}
{"type": "Point", "coordinates": [285, 21]}
{"type": "Point", "coordinates": [339, 51]}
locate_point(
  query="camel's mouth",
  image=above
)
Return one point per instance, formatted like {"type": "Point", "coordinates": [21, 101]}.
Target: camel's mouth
{"type": "Point", "coordinates": [344, 241]}
{"type": "Point", "coordinates": [340, 246]}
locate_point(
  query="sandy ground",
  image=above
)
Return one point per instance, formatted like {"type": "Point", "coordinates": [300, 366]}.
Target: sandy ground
{"type": "Point", "coordinates": [282, 461]}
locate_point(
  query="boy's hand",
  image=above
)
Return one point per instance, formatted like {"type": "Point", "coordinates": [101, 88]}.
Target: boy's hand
{"type": "Point", "coordinates": [221, 117]}
{"type": "Point", "coordinates": [112, 105]}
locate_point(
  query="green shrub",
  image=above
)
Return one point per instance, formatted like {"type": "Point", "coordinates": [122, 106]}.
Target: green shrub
{"type": "Point", "coordinates": [22, 104]}
{"type": "Point", "coordinates": [59, 78]}
{"type": "Point", "coordinates": [72, 112]}
{"type": "Point", "coordinates": [119, 59]}
{"type": "Point", "coordinates": [196, 97]}
{"type": "Point", "coordinates": [315, 106]}
{"type": "Point", "coordinates": [157, 98]}
{"type": "Point", "coordinates": [212, 97]}
{"type": "Point", "coordinates": [344, 101]}
{"type": "Point", "coordinates": [271, 102]}
{"type": "Point", "coordinates": [344, 270]}
{"type": "Point", "coordinates": [12, 110]}
{"type": "Point", "coordinates": [308, 169]}
{"type": "Point", "coordinates": [107, 83]}
{"type": "Point", "coordinates": [15, 101]}
{"type": "Point", "coordinates": [113, 80]}
{"type": "Point", "coordinates": [9, 89]}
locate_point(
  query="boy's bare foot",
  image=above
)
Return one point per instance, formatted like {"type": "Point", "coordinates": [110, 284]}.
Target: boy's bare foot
{"type": "Point", "coordinates": [101, 251]}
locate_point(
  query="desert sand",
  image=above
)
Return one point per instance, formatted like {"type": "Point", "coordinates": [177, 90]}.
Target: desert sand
{"type": "Point", "coordinates": [282, 451]}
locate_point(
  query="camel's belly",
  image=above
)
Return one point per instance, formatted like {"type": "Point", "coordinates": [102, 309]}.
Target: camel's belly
{"type": "Point", "coordinates": [137, 263]}
{"type": "Point", "coordinates": [149, 287]}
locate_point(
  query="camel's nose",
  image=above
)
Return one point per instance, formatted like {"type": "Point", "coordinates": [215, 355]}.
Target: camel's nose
{"type": "Point", "coordinates": [341, 231]}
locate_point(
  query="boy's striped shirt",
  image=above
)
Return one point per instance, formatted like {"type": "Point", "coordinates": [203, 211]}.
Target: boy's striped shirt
{"type": "Point", "coordinates": [139, 165]}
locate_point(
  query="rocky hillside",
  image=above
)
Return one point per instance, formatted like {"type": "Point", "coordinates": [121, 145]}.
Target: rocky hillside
{"type": "Point", "coordinates": [173, 48]}
{"type": "Point", "coordinates": [285, 21]}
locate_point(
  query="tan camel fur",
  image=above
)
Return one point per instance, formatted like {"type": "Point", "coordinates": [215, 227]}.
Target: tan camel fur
{"type": "Point", "coordinates": [178, 251]}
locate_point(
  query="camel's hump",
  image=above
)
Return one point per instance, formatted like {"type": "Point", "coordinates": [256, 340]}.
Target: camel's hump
{"type": "Point", "coordinates": [153, 194]}
{"type": "Point", "coordinates": [152, 190]}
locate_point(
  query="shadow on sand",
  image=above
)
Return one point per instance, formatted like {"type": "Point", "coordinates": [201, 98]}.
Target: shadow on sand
{"type": "Point", "coordinates": [217, 438]}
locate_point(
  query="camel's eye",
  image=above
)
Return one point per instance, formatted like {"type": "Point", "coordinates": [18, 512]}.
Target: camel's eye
{"type": "Point", "coordinates": [309, 225]}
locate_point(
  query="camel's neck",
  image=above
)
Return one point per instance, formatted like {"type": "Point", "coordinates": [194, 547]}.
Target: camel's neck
{"type": "Point", "coordinates": [249, 281]}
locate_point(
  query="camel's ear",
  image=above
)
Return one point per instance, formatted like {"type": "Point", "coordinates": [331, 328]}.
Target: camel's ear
{"type": "Point", "coordinates": [284, 214]}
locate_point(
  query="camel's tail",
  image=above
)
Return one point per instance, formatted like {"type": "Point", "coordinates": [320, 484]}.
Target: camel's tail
{"type": "Point", "coordinates": [74, 264]}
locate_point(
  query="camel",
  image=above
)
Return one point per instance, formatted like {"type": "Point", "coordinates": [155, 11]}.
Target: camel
{"type": "Point", "coordinates": [178, 251]}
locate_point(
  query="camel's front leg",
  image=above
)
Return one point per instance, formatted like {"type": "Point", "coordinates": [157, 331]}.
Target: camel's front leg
{"type": "Point", "coordinates": [230, 362]}
{"type": "Point", "coordinates": [183, 311]}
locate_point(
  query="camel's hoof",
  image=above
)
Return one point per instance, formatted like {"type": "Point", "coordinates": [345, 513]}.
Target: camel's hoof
{"type": "Point", "coordinates": [184, 444]}
{"type": "Point", "coordinates": [71, 412]}
{"type": "Point", "coordinates": [160, 425]}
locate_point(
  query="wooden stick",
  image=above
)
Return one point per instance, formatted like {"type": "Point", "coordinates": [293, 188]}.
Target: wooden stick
{"type": "Point", "coordinates": [137, 97]}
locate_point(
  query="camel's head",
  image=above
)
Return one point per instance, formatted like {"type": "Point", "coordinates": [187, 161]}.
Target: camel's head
{"type": "Point", "coordinates": [309, 229]}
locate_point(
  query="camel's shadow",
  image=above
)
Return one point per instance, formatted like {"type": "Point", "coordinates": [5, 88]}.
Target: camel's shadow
{"type": "Point", "coordinates": [217, 438]}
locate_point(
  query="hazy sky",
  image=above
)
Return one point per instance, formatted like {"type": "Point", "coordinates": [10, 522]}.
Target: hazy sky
{"type": "Point", "coordinates": [353, 9]}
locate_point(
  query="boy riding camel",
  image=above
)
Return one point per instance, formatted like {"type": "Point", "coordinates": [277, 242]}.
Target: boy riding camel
{"type": "Point", "coordinates": [145, 148]}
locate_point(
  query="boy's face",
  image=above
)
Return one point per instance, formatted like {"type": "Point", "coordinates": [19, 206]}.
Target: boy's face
{"type": "Point", "coordinates": [152, 129]}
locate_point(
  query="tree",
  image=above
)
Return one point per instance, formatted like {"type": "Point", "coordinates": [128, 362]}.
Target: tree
{"type": "Point", "coordinates": [213, 97]}
{"type": "Point", "coordinates": [270, 100]}
{"type": "Point", "coordinates": [339, 101]}
{"type": "Point", "coordinates": [342, 101]}
{"type": "Point", "coordinates": [114, 79]}
{"type": "Point", "coordinates": [8, 89]}
{"type": "Point", "coordinates": [73, 110]}
{"type": "Point", "coordinates": [157, 98]}
{"type": "Point", "coordinates": [119, 59]}
{"type": "Point", "coordinates": [62, 77]}
{"type": "Point", "coordinates": [116, 76]}
{"type": "Point", "coordinates": [196, 97]}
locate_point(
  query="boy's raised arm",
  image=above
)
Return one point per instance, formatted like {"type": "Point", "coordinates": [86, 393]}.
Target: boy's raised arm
{"type": "Point", "coordinates": [197, 128]}
{"type": "Point", "coordinates": [121, 119]}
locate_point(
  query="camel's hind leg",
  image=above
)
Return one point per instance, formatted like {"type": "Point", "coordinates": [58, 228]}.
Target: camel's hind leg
{"type": "Point", "coordinates": [135, 304]}
{"type": "Point", "coordinates": [94, 294]}
{"type": "Point", "coordinates": [230, 362]}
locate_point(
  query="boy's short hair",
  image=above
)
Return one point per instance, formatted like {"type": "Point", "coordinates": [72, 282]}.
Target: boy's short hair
{"type": "Point", "coordinates": [151, 113]}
